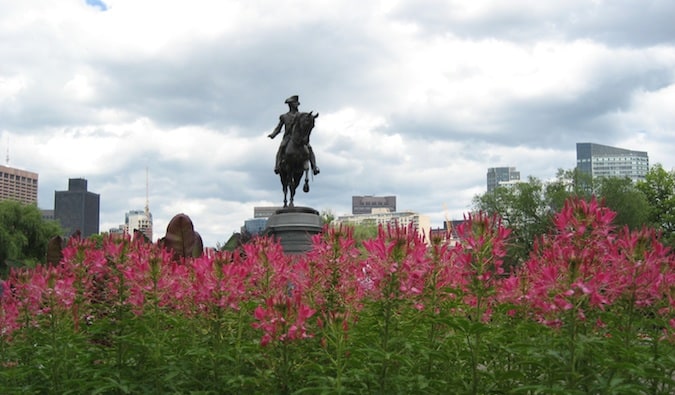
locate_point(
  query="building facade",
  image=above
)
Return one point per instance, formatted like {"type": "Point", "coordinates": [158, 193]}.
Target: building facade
{"type": "Point", "coordinates": [257, 224]}
{"type": "Point", "coordinates": [265, 211]}
{"type": "Point", "coordinates": [138, 220]}
{"type": "Point", "coordinates": [77, 209]}
{"type": "Point", "coordinates": [254, 226]}
{"type": "Point", "coordinates": [19, 185]}
{"type": "Point", "coordinates": [422, 223]}
{"type": "Point", "coordinates": [599, 160]}
{"type": "Point", "coordinates": [497, 176]}
{"type": "Point", "coordinates": [366, 204]}
{"type": "Point", "coordinates": [448, 233]}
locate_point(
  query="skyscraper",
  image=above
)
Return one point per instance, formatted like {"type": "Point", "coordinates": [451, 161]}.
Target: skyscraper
{"type": "Point", "coordinates": [599, 160]}
{"type": "Point", "coordinates": [19, 185]}
{"type": "Point", "coordinates": [501, 176]}
{"type": "Point", "coordinates": [77, 209]}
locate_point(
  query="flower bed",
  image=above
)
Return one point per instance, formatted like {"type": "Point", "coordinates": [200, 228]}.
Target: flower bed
{"type": "Point", "coordinates": [590, 312]}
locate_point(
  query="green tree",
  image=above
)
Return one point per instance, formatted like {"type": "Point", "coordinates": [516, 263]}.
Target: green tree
{"type": "Point", "coordinates": [622, 196]}
{"type": "Point", "coordinates": [524, 209]}
{"type": "Point", "coordinates": [566, 184]}
{"type": "Point", "coordinates": [327, 216]}
{"type": "Point", "coordinates": [527, 208]}
{"type": "Point", "coordinates": [24, 234]}
{"type": "Point", "coordinates": [659, 189]}
{"type": "Point", "coordinates": [365, 231]}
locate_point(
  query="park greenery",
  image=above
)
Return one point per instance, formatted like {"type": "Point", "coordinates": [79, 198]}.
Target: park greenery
{"type": "Point", "coordinates": [590, 310]}
{"type": "Point", "coordinates": [24, 235]}
{"type": "Point", "coordinates": [527, 209]}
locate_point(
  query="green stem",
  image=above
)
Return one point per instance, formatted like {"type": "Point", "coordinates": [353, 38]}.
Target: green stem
{"type": "Point", "coordinates": [475, 348]}
{"type": "Point", "coordinates": [216, 332]}
{"type": "Point", "coordinates": [386, 316]}
{"type": "Point", "coordinates": [573, 347]}
{"type": "Point", "coordinates": [284, 371]}
{"type": "Point", "coordinates": [55, 347]}
{"type": "Point", "coordinates": [339, 360]}
{"type": "Point", "coordinates": [237, 347]}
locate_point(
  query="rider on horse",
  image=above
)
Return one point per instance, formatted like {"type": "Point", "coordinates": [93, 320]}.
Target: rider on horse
{"type": "Point", "coordinates": [287, 120]}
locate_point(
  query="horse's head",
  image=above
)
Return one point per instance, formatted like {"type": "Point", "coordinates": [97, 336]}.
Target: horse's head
{"type": "Point", "coordinates": [304, 124]}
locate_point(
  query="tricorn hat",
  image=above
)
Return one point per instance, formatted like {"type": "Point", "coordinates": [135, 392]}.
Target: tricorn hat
{"type": "Point", "coordinates": [292, 99]}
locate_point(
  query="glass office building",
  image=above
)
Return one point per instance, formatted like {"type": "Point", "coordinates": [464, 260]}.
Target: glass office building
{"type": "Point", "coordinates": [599, 160]}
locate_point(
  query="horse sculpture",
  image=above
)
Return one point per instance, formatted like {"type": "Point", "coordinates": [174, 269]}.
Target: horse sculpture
{"type": "Point", "coordinates": [295, 158]}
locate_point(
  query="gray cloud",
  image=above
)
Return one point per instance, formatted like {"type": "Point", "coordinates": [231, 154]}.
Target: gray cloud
{"type": "Point", "coordinates": [416, 101]}
{"type": "Point", "coordinates": [630, 23]}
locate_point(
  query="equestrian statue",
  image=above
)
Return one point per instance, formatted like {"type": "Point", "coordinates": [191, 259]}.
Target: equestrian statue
{"type": "Point", "coordinates": [295, 155]}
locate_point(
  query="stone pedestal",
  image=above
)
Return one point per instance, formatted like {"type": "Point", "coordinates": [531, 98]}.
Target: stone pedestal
{"type": "Point", "coordinates": [294, 228]}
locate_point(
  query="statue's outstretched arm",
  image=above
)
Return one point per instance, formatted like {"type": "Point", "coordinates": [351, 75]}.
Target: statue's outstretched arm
{"type": "Point", "coordinates": [276, 130]}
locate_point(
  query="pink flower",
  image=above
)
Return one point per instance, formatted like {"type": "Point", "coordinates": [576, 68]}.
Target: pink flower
{"type": "Point", "coordinates": [586, 264]}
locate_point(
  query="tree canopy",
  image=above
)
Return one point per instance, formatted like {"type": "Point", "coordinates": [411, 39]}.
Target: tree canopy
{"type": "Point", "coordinates": [24, 234]}
{"type": "Point", "coordinates": [659, 190]}
{"type": "Point", "coordinates": [527, 208]}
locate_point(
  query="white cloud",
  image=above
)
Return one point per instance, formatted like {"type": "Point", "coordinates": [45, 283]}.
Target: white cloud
{"type": "Point", "coordinates": [417, 98]}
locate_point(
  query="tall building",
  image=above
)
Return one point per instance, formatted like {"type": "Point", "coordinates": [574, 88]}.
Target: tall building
{"type": "Point", "coordinates": [599, 160]}
{"type": "Point", "coordinates": [138, 220]}
{"type": "Point", "coordinates": [497, 176]}
{"type": "Point", "coordinates": [77, 209]}
{"type": "Point", "coordinates": [19, 185]}
{"type": "Point", "coordinates": [366, 204]}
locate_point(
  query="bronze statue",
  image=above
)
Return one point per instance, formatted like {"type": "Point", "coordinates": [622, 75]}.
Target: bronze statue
{"type": "Point", "coordinates": [295, 154]}
{"type": "Point", "coordinates": [286, 121]}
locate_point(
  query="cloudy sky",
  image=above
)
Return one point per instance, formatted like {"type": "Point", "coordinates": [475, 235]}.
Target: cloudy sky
{"type": "Point", "coordinates": [417, 98]}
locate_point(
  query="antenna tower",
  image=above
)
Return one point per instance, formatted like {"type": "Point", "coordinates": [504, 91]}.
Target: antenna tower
{"type": "Point", "coordinates": [147, 194]}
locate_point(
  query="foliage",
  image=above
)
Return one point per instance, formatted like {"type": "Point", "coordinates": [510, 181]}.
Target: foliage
{"type": "Point", "coordinates": [591, 311]}
{"type": "Point", "coordinates": [23, 234]}
{"type": "Point", "coordinates": [568, 183]}
{"type": "Point", "coordinates": [622, 196]}
{"type": "Point", "coordinates": [659, 188]}
{"type": "Point", "coordinates": [364, 232]}
{"type": "Point", "coordinates": [525, 209]}
{"type": "Point", "coordinates": [236, 241]}
{"type": "Point", "coordinates": [327, 216]}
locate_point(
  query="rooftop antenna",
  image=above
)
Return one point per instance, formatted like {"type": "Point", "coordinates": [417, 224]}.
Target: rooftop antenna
{"type": "Point", "coordinates": [7, 157]}
{"type": "Point", "coordinates": [147, 194]}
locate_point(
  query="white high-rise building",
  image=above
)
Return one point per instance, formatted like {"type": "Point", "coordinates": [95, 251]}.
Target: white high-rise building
{"type": "Point", "coordinates": [140, 220]}
{"type": "Point", "coordinates": [599, 160]}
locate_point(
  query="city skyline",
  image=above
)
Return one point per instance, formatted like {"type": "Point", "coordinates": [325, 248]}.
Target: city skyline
{"type": "Point", "coordinates": [374, 200]}
{"type": "Point", "coordinates": [417, 98]}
